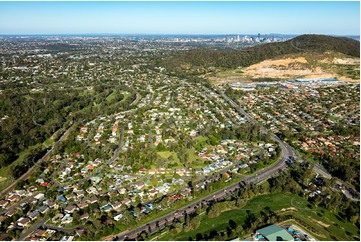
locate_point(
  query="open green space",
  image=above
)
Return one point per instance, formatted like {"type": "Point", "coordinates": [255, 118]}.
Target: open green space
{"type": "Point", "coordinates": [111, 96]}
{"type": "Point", "coordinates": [5, 171]}
{"type": "Point", "coordinates": [192, 155]}
{"type": "Point", "coordinates": [196, 161]}
{"type": "Point", "coordinates": [170, 157]}
{"type": "Point", "coordinates": [193, 158]}
{"type": "Point", "coordinates": [228, 73]}
{"type": "Point", "coordinates": [5, 174]}
{"type": "Point", "coordinates": [126, 96]}
{"type": "Point", "coordinates": [166, 154]}
{"type": "Point", "coordinates": [201, 139]}
{"type": "Point", "coordinates": [201, 142]}
{"type": "Point", "coordinates": [327, 225]}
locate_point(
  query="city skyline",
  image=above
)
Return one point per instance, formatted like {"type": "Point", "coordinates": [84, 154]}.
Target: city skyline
{"type": "Point", "coordinates": [331, 18]}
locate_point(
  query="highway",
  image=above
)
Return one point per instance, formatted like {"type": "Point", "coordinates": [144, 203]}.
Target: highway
{"type": "Point", "coordinates": [262, 175]}
{"type": "Point", "coordinates": [219, 195]}
{"type": "Point", "coordinates": [286, 148]}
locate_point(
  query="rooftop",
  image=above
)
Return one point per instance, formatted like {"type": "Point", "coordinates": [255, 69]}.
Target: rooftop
{"type": "Point", "coordinates": [275, 233]}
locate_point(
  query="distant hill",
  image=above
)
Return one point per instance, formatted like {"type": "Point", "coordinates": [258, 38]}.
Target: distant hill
{"type": "Point", "coordinates": [203, 58]}
{"type": "Point", "coordinates": [321, 43]}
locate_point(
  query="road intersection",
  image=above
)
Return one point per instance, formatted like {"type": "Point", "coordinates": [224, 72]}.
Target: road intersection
{"type": "Point", "coordinates": [288, 155]}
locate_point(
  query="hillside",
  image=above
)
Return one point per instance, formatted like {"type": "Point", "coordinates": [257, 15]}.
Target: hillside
{"type": "Point", "coordinates": [301, 65]}
{"type": "Point", "coordinates": [199, 61]}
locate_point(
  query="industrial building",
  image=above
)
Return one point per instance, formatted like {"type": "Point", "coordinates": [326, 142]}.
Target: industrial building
{"type": "Point", "coordinates": [274, 233]}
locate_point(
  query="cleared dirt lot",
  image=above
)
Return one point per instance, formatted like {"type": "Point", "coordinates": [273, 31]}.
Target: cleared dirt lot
{"type": "Point", "coordinates": [325, 65]}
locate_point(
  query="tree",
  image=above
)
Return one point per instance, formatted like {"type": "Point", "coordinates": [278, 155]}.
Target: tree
{"type": "Point", "coordinates": [240, 202]}
{"type": "Point", "coordinates": [250, 219]}
{"type": "Point", "coordinates": [239, 230]}
{"type": "Point", "coordinates": [214, 211]}
{"type": "Point", "coordinates": [195, 222]}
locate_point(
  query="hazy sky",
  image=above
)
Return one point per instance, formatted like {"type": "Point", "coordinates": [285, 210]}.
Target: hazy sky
{"type": "Point", "coordinates": [340, 18]}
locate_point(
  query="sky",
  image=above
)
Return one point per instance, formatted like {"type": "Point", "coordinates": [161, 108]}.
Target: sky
{"type": "Point", "coordinates": [332, 18]}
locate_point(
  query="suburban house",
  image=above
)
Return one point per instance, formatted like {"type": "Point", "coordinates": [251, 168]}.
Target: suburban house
{"type": "Point", "coordinates": [23, 222]}
{"type": "Point", "coordinates": [70, 208]}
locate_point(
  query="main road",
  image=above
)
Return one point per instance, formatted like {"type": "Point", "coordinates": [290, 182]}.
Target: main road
{"type": "Point", "coordinates": [287, 155]}
{"type": "Point", "coordinates": [225, 192]}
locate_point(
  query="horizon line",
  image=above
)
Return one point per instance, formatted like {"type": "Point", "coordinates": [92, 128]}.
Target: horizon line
{"type": "Point", "coordinates": [164, 34]}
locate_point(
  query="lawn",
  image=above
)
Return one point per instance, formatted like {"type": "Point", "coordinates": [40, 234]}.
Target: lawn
{"type": "Point", "coordinates": [111, 96]}
{"type": "Point", "coordinates": [201, 139]}
{"type": "Point", "coordinates": [126, 96]}
{"type": "Point", "coordinates": [201, 142]}
{"type": "Point", "coordinates": [192, 155]}
{"type": "Point", "coordinates": [49, 142]}
{"type": "Point", "coordinates": [166, 154]}
{"type": "Point", "coordinates": [197, 162]}
{"type": "Point", "coordinates": [169, 154]}
{"type": "Point", "coordinates": [329, 227]}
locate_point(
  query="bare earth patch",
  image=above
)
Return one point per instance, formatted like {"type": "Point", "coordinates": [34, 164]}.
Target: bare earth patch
{"type": "Point", "coordinates": [319, 222]}
{"type": "Point", "coordinates": [280, 62]}
{"type": "Point", "coordinates": [346, 61]}
{"type": "Point", "coordinates": [285, 68]}
{"type": "Point", "coordinates": [328, 65]}
{"type": "Point", "coordinates": [289, 209]}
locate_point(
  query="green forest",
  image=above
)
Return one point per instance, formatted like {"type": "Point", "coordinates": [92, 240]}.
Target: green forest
{"type": "Point", "coordinates": [34, 116]}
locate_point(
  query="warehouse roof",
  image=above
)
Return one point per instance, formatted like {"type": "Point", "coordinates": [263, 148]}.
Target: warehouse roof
{"type": "Point", "coordinates": [275, 233]}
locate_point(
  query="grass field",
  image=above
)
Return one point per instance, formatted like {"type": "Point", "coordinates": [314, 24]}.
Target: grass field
{"type": "Point", "coordinates": [166, 154]}
{"type": "Point", "coordinates": [201, 139]}
{"type": "Point", "coordinates": [228, 73]}
{"type": "Point", "coordinates": [192, 157]}
{"type": "Point", "coordinates": [329, 227]}
{"type": "Point", "coordinates": [111, 96]}
{"type": "Point", "coordinates": [126, 96]}
{"type": "Point", "coordinates": [197, 162]}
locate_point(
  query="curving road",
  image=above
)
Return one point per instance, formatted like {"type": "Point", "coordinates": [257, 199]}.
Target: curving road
{"type": "Point", "coordinates": [287, 155]}
{"type": "Point", "coordinates": [262, 175]}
